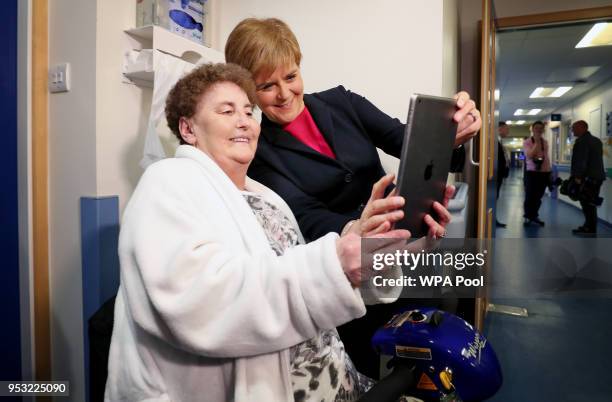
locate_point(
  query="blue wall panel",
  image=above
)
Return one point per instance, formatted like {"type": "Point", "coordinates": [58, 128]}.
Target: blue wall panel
{"type": "Point", "coordinates": [10, 344]}
{"type": "Point", "coordinates": [100, 261]}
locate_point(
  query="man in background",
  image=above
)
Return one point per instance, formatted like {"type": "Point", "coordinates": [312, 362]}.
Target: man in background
{"type": "Point", "coordinates": [502, 163]}
{"type": "Point", "coordinates": [587, 171]}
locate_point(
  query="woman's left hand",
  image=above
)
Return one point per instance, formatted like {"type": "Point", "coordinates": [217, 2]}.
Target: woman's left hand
{"type": "Point", "coordinates": [437, 229]}
{"type": "Point", "coordinates": [467, 118]}
{"type": "Point", "coordinates": [380, 213]}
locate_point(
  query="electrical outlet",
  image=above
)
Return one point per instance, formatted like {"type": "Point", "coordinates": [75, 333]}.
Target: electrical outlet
{"type": "Point", "coordinates": [59, 78]}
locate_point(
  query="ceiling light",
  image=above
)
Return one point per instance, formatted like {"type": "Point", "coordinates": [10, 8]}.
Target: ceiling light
{"type": "Point", "coordinates": [559, 92]}
{"type": "Point", "coordinates": [599, 35]}
{"type": "Point", "coordinates": [524, 112]}
{"type": "Point", "coordinates": [549, 92]}
{"type": "Point", "coordinates": [537, 93]}
{"type": "Point", "coordinates": [509, 122]}
{"type": "Point", "coordinates": [520, 122]}
{"type": "Point", "coordinates": [496, 94]}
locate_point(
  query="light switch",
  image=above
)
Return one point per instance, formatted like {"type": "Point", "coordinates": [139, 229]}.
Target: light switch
{"type": "Point", "coordinates": [59, 78]}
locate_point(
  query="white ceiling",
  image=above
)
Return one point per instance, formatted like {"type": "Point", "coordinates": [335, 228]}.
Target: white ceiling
{"type": "Point", "coordinates": [547, 57]}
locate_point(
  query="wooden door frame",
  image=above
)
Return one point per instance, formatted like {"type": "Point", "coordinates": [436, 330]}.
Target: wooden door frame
{"type": "Point", "coordinates": [561, 17]}
{"type": "Point", "coordinates": [40, 190]}
{"type": "Point", "coordinates": [484, 217]}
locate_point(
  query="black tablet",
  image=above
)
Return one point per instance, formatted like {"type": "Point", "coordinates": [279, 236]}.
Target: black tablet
{"type": "Point", "coordinates": [426, 159]}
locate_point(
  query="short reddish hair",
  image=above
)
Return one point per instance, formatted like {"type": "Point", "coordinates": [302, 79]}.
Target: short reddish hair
{"type": "Point", "coordinates": [184, 97]}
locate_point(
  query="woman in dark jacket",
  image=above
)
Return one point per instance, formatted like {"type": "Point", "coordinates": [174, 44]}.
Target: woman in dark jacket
{"type": "Point", "coordinates": [318, 151]}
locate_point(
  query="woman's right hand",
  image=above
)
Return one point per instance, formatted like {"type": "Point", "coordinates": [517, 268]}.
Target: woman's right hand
{"type": "Point", "coordinates": [349, 252]}
{"type": "Point", "coordinates": [379, 213]}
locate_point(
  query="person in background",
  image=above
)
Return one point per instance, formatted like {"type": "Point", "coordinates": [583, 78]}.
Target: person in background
{"type": "Point", "coordinates": [219, 299]}
{"type": "Point", "coordinates": [502, 163]}
{"type": "Point", "coordinates": [318, 151]}
{"type": "Point", "coordinates": [587, 170]}
{"type": "Point", "coordinates": [537, 173]}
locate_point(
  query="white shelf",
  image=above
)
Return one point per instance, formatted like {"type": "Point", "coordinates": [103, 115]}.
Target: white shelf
{"type": "Point", "coordinates": [139, 68]}
{"type": "Point", "coordinates": [145, 32]}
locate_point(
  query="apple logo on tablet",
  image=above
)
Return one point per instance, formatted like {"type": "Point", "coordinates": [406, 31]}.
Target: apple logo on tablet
{"type": "Point", "coordinates": [428, 170]}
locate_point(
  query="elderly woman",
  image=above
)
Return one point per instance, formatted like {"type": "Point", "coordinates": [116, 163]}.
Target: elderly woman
{"type": "Point", "coordinates": [218, 301]}
{"type": "Point", "coordinates": [537, 173]}
{"type": "Point", "coordinates": [318, 151]}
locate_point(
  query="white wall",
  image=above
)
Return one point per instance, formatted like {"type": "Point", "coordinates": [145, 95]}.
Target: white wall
{"type": "Point", "coordinates": [72, 174]}
{"type": "Point", "coordinates": [450, 48]}
{"type": "Point", "coordinates": [580, 109]}
{"type": "Point", "coordinates": [519, 131]}
{"type": "Point", "coordinates": [384, 51]}
{"type": "Point", "coordinates": [121, 109]}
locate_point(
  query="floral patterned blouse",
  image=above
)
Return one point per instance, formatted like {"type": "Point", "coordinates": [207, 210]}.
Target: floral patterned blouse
{"type": "Point", "coordinates": [320, 368]}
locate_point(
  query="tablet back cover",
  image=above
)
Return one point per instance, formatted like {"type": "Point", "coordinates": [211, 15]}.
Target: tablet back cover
{"type": "Point", "coordinates": [426, 158]}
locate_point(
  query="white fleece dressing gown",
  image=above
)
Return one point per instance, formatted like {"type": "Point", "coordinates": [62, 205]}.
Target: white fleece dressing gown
{"type": "Point", "coordinates": [206, 311]}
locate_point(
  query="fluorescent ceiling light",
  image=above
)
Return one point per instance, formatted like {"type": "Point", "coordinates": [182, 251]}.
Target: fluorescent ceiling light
{"type": "Point", "coordinates": [520, 122]}
{"type": "Point", "coordinates": [524, 112]}
{"type": "Point", "coordinates": [509, 122]}
{"type": "Point", "coordinates": [559, 92]}
{"type": "Point", "coordinates": [496, 94]}
{"type": "Point", "coordinates": [549, 92]}
{"type": "Point", "coordinates": [599, 35]}
{"type": "Point", "coordinates": [537, 93]}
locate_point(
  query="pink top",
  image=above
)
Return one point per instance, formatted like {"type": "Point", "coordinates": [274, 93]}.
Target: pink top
{"type": "Point", "coordinates": [534, 150]}
{"type": "Point", "coordinates": [306, 131]}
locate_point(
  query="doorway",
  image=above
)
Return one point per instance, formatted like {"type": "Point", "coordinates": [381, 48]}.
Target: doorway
{"type": "Point", "coordinates": [541, 56]}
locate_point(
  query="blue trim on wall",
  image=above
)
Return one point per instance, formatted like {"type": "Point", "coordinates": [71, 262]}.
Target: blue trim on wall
{"type": "Point", "coordinates": [100, 261]}
{"type": "Point", "coordinates": [10, 344]}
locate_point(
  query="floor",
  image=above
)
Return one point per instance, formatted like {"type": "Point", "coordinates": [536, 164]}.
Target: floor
{"type": "Point", "coordinates": [563, 350]}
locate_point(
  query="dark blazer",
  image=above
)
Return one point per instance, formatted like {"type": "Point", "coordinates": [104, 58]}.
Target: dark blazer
{"type": "Point", "coordinates": [502, 165]}
{"type": "Point", "coordinates": [587, 158]}
{"type": "Point", "coordinates": [325, 193]}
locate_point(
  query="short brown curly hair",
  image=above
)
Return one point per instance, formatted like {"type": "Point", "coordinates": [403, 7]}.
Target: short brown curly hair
{"type": "Point", "coordinates": [184, 97]}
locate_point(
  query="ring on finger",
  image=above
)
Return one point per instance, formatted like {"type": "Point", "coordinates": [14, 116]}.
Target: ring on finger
{"type": "Point", "coordinates": [437, 236]}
